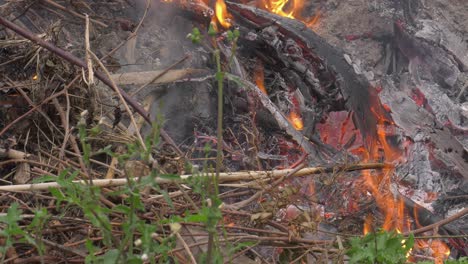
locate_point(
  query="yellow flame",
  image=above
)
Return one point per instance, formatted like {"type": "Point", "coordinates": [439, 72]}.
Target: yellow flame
{"type": "Point", "coordinates": [222, 14]}
{"type": "Point", "coordinates": [296, 120]}
{"type": "Point", "coordinates": [35, 77]}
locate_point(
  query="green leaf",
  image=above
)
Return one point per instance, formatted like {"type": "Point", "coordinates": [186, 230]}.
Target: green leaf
{"type": "Point", "coordinates": [45, 178]}
{"type": "Point", "coordinates": [196, 218]}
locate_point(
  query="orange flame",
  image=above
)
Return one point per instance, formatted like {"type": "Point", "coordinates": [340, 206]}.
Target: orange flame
{"type": "Point", "coordinates": [259, 77]}
{"type": "Point", "coordinates": [296, 120]}
{"type": "Point", "coordinates": [379, 184]}
{"type": "Point", "coordinates": [289, 8]}
{"type": "Point", "coordinates": [222, 14]}
{"type": "Point", "coordinates": [368, 225]}
{"type": "Point", "coordinates": [283, 7]}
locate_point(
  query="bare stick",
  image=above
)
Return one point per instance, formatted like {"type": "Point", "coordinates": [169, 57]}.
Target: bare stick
{"type": "Point", "coordinates": [189, 252]}
{"type": "Point", "coordinates": [223, 177]}
{"type": "Point", "coordinates": [440, 223]}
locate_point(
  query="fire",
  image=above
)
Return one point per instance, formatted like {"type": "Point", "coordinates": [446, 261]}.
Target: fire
{"type": "Point", "coordinates": [296, 120]}
{"type": "Point", "coordinates": [368, 225]}
{"type": "Point", "coordinates": [259, 77]}
{"type": "Point", "coordinates": [283, 7]}
{"type": "Point", "coordinates": [379, 184]}
{"type": "Point", "coordinates": [289, 8]}
{"type": "Point", "coordinates": [222, 14]}
{"type": "Point", "coordinates": [438, 249]}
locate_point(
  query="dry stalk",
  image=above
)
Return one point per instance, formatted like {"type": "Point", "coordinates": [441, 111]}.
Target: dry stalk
{"type": "Point", "coordinates": [189, 252]}
{"type": "Point", "coordinates": [223, 177]}
{"type": "Point", "coordinates": [72, 138]}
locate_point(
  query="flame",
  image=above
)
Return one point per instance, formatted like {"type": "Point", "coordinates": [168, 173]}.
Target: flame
{"type": "Point", "coordinates": [439, 250]}
{"type": "Point", "coordinates": [367, 225]}
{"type": "Point", "coordinates": [259, 77]}
{"type": "Point", "coordinates": [35, 77]}
{"type": "Point", "coordinates": [279, 7]}
{"type": "Point", "coordinates": [289, 8]}
{"type": "Point", "coordinates": [222, 14]}
{"type": "Point", "coordinates": [296, 120]}
{"type": "Point", "coordinates": [379, 184]}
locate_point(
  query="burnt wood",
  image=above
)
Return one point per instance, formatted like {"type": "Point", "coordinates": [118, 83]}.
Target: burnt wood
{"type": "Point", "coordinates": [356, 90]}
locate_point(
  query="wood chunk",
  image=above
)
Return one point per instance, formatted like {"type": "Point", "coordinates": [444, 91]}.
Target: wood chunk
{"type": "Point", "coordinates": [415, 120]}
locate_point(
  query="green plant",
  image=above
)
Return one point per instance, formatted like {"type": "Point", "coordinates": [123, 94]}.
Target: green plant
{"type": "Point", "coordinates": [11, 232]}
{"type": "Point", "coordinates": [134, 239]}
{"type": "Point", "coordinates": [381, 247]}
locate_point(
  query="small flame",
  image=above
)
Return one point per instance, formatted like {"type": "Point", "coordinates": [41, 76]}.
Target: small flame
{"type": "Point", "coordinates": [289, 8]}
{"type": "Point", "coordinates": [296, 120]}
{"type": "Point", "coordinates": [259, 77]}
{"type": "Point", "coordinates": [367, 225]}
{"type": "Point", "coordinates": [222, 14]}
{"type": "Point", "coordinates": [35, 77]}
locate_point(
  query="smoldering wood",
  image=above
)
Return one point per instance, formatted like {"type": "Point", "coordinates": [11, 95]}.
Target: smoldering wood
{"type": "Point", "coordinates": [355, 88]}
{"type": "Point", "coordinates": [283, 122]}
{"type": "Point", "coordinates": [421, 123]}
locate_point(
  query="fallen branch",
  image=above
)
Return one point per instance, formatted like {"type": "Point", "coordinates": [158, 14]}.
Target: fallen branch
{"type": "Point", "coordinates": [440, 223]}
{"type": "Point", "coordinates": [223, 177]}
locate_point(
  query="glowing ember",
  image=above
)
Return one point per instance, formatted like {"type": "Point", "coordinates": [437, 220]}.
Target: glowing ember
{"type": "Point", "coordinates": [35, 77]}
{"type": "Point", "coordinates": [222, 14]}
{"type": "Point", "coordinates": [296, 120]}
{"type": "Point", "coordinates": [259, 77]}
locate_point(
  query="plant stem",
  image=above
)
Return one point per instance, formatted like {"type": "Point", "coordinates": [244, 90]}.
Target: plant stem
{"type": "Point", "coordinates": [219, 155]}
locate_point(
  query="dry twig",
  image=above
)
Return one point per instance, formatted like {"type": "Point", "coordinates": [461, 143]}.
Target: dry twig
{"type": "Point", "coordinates": [223, 177]}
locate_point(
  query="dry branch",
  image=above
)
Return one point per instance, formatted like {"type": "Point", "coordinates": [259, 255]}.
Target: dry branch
{"type": "Point", "coordinates": [223, 177]}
